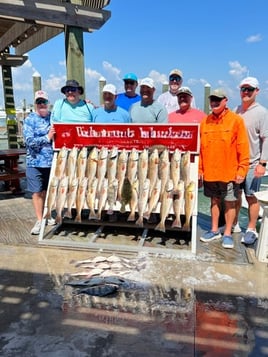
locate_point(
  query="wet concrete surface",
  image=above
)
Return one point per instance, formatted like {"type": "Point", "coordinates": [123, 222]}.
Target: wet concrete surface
{"type": "Point", "coordinates": [174, 307]}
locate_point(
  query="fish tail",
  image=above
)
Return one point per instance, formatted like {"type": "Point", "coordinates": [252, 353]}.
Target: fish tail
{"type": "Point", "coordinates": [110, 211]}
{"type": "Point", "coordinates": [68, 214]}
{"type": "Point", "coordinates": [58, 219]}
{"type": "Point", "coordinates": [92, 215]}
{"type": "Point", "coordinates": [160, 227]}
{"type": "Point", "coordinates": [131, 217]}
{"type": "Point", "coordinates": [78, 218]}
{"type": "Point", "coordinates": [139, 221]}
{"type": "Point", "coordinates": [176, 223]}
{"type": "Point", "coordinates": [146, 215]}
{"type": "Point", "coordinates": [123, 208]}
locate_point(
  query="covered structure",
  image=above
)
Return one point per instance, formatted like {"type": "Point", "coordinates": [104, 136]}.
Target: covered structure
{"type": "Point", "coordinates": [24, 25]}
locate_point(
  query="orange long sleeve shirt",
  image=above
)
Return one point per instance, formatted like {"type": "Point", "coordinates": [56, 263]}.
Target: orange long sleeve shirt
{"type": "Point", "coordinates": [224, 147]}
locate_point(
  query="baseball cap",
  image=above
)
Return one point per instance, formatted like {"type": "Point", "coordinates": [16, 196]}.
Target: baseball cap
{"type": "Point", "coordinates": [110, 88]}
{"type": "Point", "coordinates": [40, 94]}
{"type": "Point", "coordinates": [131, 76]}
{"type": "Point", "coordinates": [219, 93]}
{"type": "Point", "coordinates": [176, 72]}
{"type": "Point", "coordinates": [250, 81]}
{"type": "Point", "coordinates": [147, 82]}
{"type": "Point", "coordinates": [185, 90]}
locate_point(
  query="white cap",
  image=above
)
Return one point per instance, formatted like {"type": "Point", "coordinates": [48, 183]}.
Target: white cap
{"type": "Point", "coordinates": [250, 81]}
{"type": "Point", "coordinates": [110, 88]}
{"type": "Point", "coordinates": [147, 82]}
{"type": "Point", "coordinates": [41, 94]}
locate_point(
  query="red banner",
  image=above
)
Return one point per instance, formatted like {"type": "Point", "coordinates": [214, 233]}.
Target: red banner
{"type": "Point", "coordinates": [185, 137]}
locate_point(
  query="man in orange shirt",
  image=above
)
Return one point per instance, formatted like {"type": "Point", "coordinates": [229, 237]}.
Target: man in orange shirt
{"type": "Point", "coordinates": [223, 163]}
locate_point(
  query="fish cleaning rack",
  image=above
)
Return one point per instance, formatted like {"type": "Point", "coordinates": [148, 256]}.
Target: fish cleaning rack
{"type": "Point", "coordinates": [112, 230]}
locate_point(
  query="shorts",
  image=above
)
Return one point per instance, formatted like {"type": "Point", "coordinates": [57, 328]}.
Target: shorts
{"type": "Point", "coordinates": [251, 184]}
{"type": "Point", "coordinates": [225, 190]}
{"type": "Point", "coordinates": [37, 178]}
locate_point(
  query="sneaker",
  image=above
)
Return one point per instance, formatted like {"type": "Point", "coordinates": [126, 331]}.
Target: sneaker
{"type": "Point", "coordinates": [36, 228]}
{"type": "Point", "coordinates": [51, 222]}
{"type": "Point", "coordinates": [236, 228]}
{"type": "Point", "coordinates": [249, 237]}
{"type": "Point", "coordinates": [227, 242]}
{"type": "Point", "coordinates": [209, 236]}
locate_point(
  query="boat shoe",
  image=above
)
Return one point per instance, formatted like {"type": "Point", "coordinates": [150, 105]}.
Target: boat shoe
{"type": "Point", "coordinates": [227, 242]}
{"type": "Point", "coordinates": [249, 237]}
{"type": "Point", "coordinates": [210, 236]}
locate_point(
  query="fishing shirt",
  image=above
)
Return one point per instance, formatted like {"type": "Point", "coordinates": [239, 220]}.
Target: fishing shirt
{"type": "Point", "coordinates": [256, 121]}
{"type": "Point", "coordinates": [190, 116]}
{"type": "Point", "coordinates": [123, 101]}
{"type": "Point", "coordinates": [65, 112]}
{"type": "Point", "coordinates": [152, 113]}
{"type": "Point", "coordinates": [102, 115]}
{"type": "Point", "coordinates": [39, 151]}
{"type": "Point", "coordinates": [224, 147]}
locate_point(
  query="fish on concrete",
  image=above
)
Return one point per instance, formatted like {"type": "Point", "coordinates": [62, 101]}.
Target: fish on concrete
{"type": "Point", "coordinates": [99, 290]}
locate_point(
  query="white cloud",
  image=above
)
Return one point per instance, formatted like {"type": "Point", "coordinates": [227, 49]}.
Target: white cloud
{"type": "Point", "coordinates": [237, 70]}
{"type": "Point", "coordinates": [254, 38]}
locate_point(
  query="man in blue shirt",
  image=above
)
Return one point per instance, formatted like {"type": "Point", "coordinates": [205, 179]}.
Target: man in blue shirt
{"type": "Point", "coordinates": [126, 99]}
{"type": "Point", "coordinates": [72, 109]}
{"type": "Point", "coordinates": [110, 112]}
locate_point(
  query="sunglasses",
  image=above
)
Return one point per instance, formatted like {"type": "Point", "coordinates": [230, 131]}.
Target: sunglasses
{"type": "Point", "coordinates": [130, 82]}
{"type": "Point", "coordinates": [70, 89]}
{"type": "Point", "coordinates": [247, 89]}
{"type": "Point", "coordinates": [41, 101]}
{"type": "Point", "coordinates": [215, 99]}
{"type": "Point", "coordinates": [174, 78]}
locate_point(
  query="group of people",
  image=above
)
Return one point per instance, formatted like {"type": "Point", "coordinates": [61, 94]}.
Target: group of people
{"type": "Point", "coordinates": [233, 144]}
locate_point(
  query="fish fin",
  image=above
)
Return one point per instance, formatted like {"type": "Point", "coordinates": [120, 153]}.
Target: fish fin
{"type": "Point", "coordinates": [176, 224]}
{"type": "Point", "coordinates": [160, 227]}
{"type": "Point", "coordinates": [131, 217]}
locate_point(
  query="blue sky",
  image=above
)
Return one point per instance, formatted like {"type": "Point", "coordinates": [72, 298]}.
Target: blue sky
{"type": "Point", "coordinates": [211, 42]}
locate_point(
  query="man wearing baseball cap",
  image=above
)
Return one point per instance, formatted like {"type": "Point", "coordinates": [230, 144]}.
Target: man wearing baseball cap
{"type": "Point", "coordinates": [126, 99]}
{"type": "Point", "coordinates": [223, 164]}
{"type": "Point", "coordinates": [256, 120]}
{"type": "Point", "coordinates": [148, 110]}
{"type": "Point", "coordinates": [38, 135]}
{"type": "Point", "coordinates": [185, 113]}
{"type": "Point", "coordinates": [110, 112]}
{"type": "Point", "coordinates": [169, 99]}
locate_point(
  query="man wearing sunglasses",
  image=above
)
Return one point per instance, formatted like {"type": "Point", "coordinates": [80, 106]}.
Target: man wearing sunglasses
{"type": "Point", "coordinates": [38, 135]}
{"type": "Point", "coordinates": [72, 109]}
{"type": "Point", "coordinates": [126, 99]}
{"type": "Point", "coordinates": [256, 120]}
{"type": "Point", "coordinates": [223, 164]}
{"type": "Point", "coordinates": [169, 99]}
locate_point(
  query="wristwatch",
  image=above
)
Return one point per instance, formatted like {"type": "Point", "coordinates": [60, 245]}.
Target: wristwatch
{"type": "Point", "coordinates": [262, 164]}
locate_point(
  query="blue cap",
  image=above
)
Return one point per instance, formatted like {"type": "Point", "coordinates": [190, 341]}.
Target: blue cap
{"type": "Point", "coordinates": [131, 76]}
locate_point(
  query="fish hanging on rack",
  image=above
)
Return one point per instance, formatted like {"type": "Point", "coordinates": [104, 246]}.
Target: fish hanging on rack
{"type": "Point", "coordinates": [52, 194]}
{"type": "Point", "coordinates": [112, 195]}
{"type": "Point", "coordinates": [153, 199]}
{"type": "Point", "coordinates": [92, 163]}
{"type": "Point", "coordinates": [132, 165]}
{"type": "Point", "coordinates": [71, 164]}
{"type": "Point", "coordinates": [82, 163]}
{"type": "Point", "coordinates": [134, 200]}
{"type": "Point", "coordinates": [91, 197]}
{"type": "Point", "coordinates": [175, 164]}
{"type": "Point", "coordinates": [71, 196]}
{"type": "Point", "coordinates": [164, 170]}
{"type": "Point", "coordinates": [101, 167]}
{"type": "Point", "coordinates": [61, 198]}
{"type": "Point", "coordinates": [61, 163]}
{"type": "Point", "coordinates": [178, 204]}
{"type": "Point", "coordinates": [153, 169]}
{"type": "Point", "coordinates": [102, 197]}
{"type": "Point", "coordinates": [121, 171]}
{"type": "Point", "coordinates": [80, 198]}
{"type": "Point", "coordinates": [185, 167]}
{"type": "Point", "coordinates": [112, 164]}
{"type": "Point", "coordinates": [126, 195]}
{"type": "Point", "coordinates": [190, 197]}
{"type": "Point", "coordinates": [143, 200]}
{"type": "Point", "coordinates": [166, 205]}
